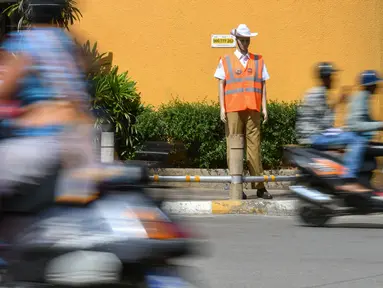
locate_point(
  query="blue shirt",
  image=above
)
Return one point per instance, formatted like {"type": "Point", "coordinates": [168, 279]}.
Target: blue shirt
{"type": "Point", "coordinates": [53, 75]}
{"type": "Point", "coordinates": [359, 116]}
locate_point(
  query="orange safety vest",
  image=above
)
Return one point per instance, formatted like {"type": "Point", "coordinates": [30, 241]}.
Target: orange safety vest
{"type": "Point", "coordinates": [243, 89]}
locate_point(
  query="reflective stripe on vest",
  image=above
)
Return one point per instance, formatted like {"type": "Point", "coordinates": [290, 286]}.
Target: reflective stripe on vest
{"type": "Point", "coordinates": [243, 91]}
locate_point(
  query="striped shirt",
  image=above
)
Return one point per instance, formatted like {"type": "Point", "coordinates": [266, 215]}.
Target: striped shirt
{"type": "Point", "coordinates": [54, 73]}
{"type": "Point", "coordinates": [314, 116]}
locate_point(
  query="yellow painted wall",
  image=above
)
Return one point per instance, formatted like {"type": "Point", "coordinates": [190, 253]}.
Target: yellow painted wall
{"type": "Point", "coordinates": [165, 44]}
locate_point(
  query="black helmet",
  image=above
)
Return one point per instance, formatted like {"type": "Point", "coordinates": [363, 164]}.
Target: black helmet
{"type": "Point", "coordinates": [325, 69]}
{"type": "Point", "coordinates": [43, 11]}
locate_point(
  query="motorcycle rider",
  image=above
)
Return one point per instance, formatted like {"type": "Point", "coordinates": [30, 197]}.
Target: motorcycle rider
{"type": "Point", "coordinates": [43, 76]}
{"type": "Point", "coordinates": [315, 126]}
{"type": "Point", "coordinates": [359, 118]}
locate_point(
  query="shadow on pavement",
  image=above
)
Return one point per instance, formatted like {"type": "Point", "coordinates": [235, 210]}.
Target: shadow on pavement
{"type": "Point", "coordinates": [356, 225]}
{"type": "Point", "coordinates": [345, 226]}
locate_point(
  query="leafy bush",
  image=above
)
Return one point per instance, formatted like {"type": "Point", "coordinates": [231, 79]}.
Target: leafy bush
{"type": "Point", "coordinates": [114, 98]}
{"type": "Point", "coordinates": [117, 97]}
{"type": "Point", "coordinates": [279, 131]}
{"type": "Point", "coordinates": [151, 126]}
{"type": "Point", "coordinates": [198, 126]}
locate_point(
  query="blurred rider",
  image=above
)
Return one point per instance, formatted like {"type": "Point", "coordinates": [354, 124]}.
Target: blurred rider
{"type": "Point", "coordinates": [315, 126]}
{"type": "Point", "coordinates": [42, 75]}
{"type": "Point", "coordinates": [359, 119]}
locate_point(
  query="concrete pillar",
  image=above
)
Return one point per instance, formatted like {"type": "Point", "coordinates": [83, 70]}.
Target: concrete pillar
{"type": "Point", "coordinates": [237, 145]}
{"type": "Point", "coordinates": [107, 147]}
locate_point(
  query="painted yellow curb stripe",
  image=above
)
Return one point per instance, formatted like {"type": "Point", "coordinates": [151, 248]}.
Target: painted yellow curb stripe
{"type": "Point", "coordinates": [236, 207]}
{"type": "Point", "coordinates": [224, 206]}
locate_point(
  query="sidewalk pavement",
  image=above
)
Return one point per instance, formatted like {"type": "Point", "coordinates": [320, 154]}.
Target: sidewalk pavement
{"type": "Point", "coordinates": [214, 201]}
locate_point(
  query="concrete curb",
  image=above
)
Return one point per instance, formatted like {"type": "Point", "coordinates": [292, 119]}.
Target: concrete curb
{"type": "Point", "coordinates": [261, 207]}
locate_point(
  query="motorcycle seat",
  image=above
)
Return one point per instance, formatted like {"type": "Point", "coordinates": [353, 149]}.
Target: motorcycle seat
{"type": "Point", "coordinates": [107, 177]}
{"type": "Point", "coordinates": [31, 198]}
{"type": "Point", "coordinates": [332, 148]}
{"type": "Point", "coordinates": [113, 173]}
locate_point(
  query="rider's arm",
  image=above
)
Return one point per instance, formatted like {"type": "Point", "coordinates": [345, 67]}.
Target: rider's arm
{"type": "Point", "coordinates": [15, 68]}
{"type": "Point", "coordinates": [334, 103]}
{"type": "Point", "coordinates": [357, 120]}
{"type": "Point", "coordinates": [345, 92]}
{"type": "Point", "coordinates": [14, 62]}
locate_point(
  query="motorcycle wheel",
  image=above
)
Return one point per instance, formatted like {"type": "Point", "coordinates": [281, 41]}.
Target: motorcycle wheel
{"type": "Point", "coordinates": [312, 215]}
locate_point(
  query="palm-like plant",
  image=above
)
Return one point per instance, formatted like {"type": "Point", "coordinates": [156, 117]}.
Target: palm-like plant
{"type": "Point", "coordinates": [117, 96]}
{"type": "Point", "coordinates": [70, 13]}
{"type": "Point", "coordinates": [97, 63]}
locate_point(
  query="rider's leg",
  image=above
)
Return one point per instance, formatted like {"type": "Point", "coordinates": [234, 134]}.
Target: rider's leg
{"type": "Point", "coordinates": [353, 157]}
{"type": "Point", "coordinates": [25, 160]}
{"type": "Point", "coordinates": [353, 160]}
{"type": "Point", "coordinates": [78, 157]}
{"type": "Point", "coordinates": [344, 138]}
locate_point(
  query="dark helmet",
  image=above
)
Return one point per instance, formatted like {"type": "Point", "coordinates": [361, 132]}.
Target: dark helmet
{"type": "Point", "coordinates": [46, 3]}
{"type": "Point", "coordinates": [43, 11]}
{"type": "Point", "coordinates": [325, 69]}
{"type": "Point", "coordinates": [369, 77]}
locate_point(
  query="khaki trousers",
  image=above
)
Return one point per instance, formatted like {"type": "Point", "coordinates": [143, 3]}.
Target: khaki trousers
{"type": "Point", "coordinates": [247, 123]}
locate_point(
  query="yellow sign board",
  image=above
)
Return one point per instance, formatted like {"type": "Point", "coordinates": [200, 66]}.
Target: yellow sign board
{"type": "Point", "coordinates": [222, 41]}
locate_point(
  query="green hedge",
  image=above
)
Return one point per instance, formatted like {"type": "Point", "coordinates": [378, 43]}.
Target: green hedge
{"type": "Point", "coordinates": [199, 128]}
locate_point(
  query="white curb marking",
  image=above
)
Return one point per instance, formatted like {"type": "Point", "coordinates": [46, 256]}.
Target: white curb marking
{"type": "Point", "coordinates": [188, 207]}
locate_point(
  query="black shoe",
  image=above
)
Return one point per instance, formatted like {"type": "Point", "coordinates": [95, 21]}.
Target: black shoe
{"type": "Point", "coordinates": [262, 193]}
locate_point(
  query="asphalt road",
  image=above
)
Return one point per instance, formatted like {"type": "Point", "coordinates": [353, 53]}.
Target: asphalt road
{"type": "Point", "coordinates": [259, 251]}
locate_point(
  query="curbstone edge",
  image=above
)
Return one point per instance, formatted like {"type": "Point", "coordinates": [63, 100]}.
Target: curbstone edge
{"type": "Point", "coordinates": [257, 207]}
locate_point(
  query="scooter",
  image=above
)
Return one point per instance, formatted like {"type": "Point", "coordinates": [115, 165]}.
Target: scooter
{"type": "Point", "coordinates": [118, 236]}
{"type": "Point", "coordinates": [318, 200]}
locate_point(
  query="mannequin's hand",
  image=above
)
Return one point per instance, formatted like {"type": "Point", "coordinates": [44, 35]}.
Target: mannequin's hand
{"type": "Point", "coordinates": [265, 116]}
{"type": "Point", "coordinates": [223, 115]}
